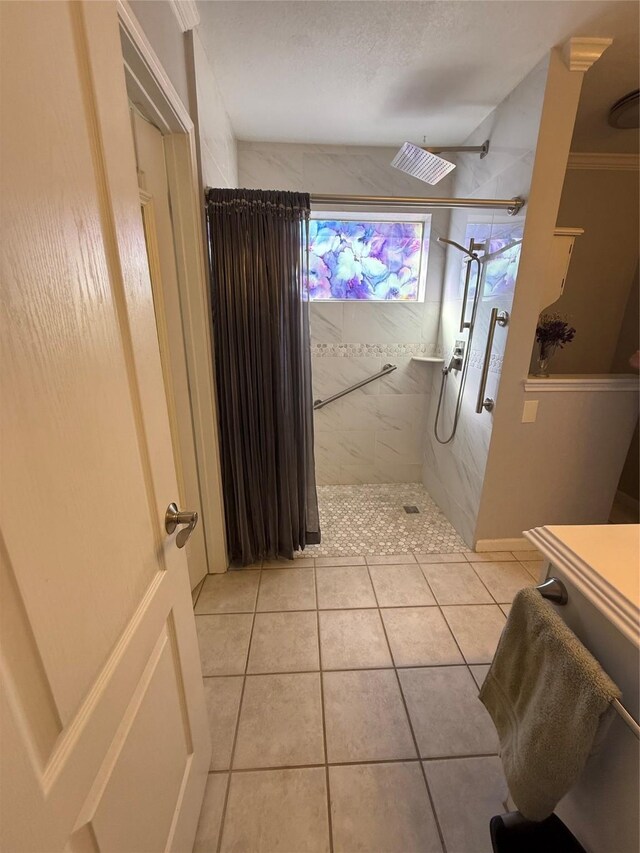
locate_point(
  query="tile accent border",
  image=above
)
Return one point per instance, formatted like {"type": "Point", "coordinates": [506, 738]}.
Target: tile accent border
{"type": "Point", "coordinates": [495, 360]}
{"type": "Point", "coordinates": [333, 350]}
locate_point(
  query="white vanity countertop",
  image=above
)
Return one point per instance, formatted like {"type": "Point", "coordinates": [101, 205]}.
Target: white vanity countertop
{"type": "Point", "coordinates": [604, 562]}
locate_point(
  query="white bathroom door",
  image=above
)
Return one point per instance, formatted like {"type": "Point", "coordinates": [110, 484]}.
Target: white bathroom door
{"type": "Point", "coordinates": [104, 742]}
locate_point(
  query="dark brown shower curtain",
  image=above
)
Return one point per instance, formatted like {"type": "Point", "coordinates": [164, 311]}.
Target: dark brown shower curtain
{"type": "Point", "coordinates": [257, 253]}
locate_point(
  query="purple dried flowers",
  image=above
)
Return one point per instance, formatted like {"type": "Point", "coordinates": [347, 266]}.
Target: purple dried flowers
{"type": "Point", "coordinates": [553, 330]}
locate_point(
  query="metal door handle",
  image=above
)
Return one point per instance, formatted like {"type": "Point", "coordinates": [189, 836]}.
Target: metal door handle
{"type": "Point", "coordinates": [173, 517]}
{"type": "Point", "coordinates": [498, 318]}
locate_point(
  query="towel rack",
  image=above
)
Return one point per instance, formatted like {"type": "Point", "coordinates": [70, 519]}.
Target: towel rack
{"type": "Point", "coordinates": [554, 590]}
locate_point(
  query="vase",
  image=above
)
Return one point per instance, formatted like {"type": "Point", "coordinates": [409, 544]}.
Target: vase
{"type": "Point", "coordinates": [545, 355]}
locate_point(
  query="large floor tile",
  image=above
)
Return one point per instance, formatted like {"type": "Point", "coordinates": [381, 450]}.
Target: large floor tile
{"type": "Point", "coordinates": [344, 586]}
{"type": "Point", "coordinates": [280, 721]}
{"type": "Point", "coordinates": [321, 562]}
{"type": "Point", "coordinates": [365, 717]}
{"type": "Point", "coordinates": [536, 569]}
{"type": "Point", "coordinates": [352, 639]}
{"type": "Point", "coordinates": [277, 811]}
{"type": "Point", "coordinates": [229, 592]}
{"type": "Point", "coordinates": [381, 807]}
{"type": "Point", "coordinates": [467, 793]}
{"type": "Point", "coordinates": [236, 566]}
{"type": "Point", "coordinates": [284, 642]}
{"type": "Point", "coordinates": [479, 672]}
{"type": "Point", "coordinates": [222, 696]}
{"type": "Point", "coordinates": [419, 636]}
{"type": "Point", "coordinates": [296, 563]}
{"type": "Point", "coordinates": [390, 559]}
{"type": "Point", "coordinates": [503, 580]}
{"type": "Point", "coordinates": [211, 813]}
{"type": "Point", "coordinates": [477, 628]}
{"type": "Point", "coordinates": [439, 558]}
{"type": "Point", "coordinates": [400, 586]}
{"type": "Point", "coordinates": [224, 642]}
{"type": "Point", "coordinates": [489, 556]}
{"type": "Point", "coordinates": [283, 589]}
{"type": "Point", "coordinates": [456, 583]}
{"type": "Point", "coordinates": [446, 714]}
{"type": "Point", "coordinates": [195, 592]}
{"type": "Point", "coordinates": [533, 555]}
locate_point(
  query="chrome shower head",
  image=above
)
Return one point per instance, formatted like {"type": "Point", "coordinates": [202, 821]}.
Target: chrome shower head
{"type": "Point", "coordinates": [424, 163]}
{"type": "Point", "coordinates": [421, 164]}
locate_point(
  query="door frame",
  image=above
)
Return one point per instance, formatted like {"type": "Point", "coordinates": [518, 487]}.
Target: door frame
{"type": "Point", "coordinates": [147, 78]}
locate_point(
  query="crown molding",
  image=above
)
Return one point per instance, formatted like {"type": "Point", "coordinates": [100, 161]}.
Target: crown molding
{"type": "Point", "coordinates": [579, 53]}
{"type": "Point", "coordinates": [605, 161]}
{"type": "Point", "coordinates": [186, 13]}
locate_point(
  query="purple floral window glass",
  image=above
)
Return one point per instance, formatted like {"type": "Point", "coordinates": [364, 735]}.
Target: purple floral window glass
{"type": "Point", "coordinates": [502, 244]}
{"type": "Point", "coordinates": [362, 259]}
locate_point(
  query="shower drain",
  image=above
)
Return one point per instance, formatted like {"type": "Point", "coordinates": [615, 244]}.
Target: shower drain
{"type": "Point", "coordinates": [411, 509]}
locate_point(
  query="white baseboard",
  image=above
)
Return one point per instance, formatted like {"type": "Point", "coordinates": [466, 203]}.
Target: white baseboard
{"type": "Point", "coordinates": [520, 544]}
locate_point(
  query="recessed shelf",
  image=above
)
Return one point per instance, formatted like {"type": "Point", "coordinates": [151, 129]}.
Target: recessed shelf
{"type": "Point", "coordinates": [428, 359]}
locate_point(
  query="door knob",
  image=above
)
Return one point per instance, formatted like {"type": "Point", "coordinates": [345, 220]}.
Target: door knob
{"type": "Point", "coordinates": [173, 517]}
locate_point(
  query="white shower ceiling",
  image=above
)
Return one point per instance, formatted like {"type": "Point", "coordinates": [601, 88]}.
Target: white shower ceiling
{"type": "Point", "coordinates": [379, 72]}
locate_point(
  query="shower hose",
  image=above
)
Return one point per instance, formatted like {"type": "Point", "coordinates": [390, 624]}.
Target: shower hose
{"type": "Point", "coordinates": [465, 366]}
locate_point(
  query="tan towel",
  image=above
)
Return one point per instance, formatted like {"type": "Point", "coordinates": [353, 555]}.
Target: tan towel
{"type": "Point", "coordinates": [547, 695]}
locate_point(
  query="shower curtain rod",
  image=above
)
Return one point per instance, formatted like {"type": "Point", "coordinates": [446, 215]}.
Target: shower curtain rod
{"type": "Point", "coordinates": [512, 205]}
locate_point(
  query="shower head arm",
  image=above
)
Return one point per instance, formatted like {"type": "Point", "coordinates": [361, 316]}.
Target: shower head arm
{"type": "Point", "coordinates": [482, 150]}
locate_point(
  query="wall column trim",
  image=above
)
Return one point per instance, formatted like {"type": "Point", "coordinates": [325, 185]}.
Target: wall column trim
{"type": "Point", "coordinates": [580, 53]}
{"type": "Point", "coordinates": [187, 14]}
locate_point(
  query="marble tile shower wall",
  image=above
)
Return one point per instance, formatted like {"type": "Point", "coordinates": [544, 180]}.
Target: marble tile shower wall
{"type": "Point", "coordinates": [374, 434]}
{"type": "Point", "coordinates": [454, 473]}
{"type": "Point", "coordinates": [377, 433]}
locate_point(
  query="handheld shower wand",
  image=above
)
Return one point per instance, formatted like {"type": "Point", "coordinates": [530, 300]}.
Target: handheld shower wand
{"type": "Point", "coordinates": [470, 251]}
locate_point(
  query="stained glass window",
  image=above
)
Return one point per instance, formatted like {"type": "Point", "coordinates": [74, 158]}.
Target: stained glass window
{"type": "Point", "coordinates": [502, 245]}
{"type": "Point", "coordinates": [371, 259]}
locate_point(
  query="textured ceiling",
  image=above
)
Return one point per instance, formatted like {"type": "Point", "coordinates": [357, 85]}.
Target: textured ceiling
{"type": "Point", "coordinates": [382, 72]}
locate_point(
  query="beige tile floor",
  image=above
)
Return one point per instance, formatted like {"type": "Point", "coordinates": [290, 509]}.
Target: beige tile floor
{"type": "Point", "coordinates": [342, 701]}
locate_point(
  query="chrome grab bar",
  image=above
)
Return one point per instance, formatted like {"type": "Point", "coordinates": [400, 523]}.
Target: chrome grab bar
{"type": "Point", "coordinates": [388, 368]}
{"type": "Point", "coordinates": [465, 324]}
{"type": "Point", "coordinates": [498, 318]}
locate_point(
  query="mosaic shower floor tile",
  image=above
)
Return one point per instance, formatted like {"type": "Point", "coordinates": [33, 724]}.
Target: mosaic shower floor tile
{"type": "Point", "coordinates": [371, 520]}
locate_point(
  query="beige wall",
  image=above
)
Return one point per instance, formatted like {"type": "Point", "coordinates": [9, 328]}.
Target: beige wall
{"type": "Point", "coordinates": [217, 143]}
{"type": "Point", "coordinates": [564, 467]}
{"type": "Point", "coordinates": [628, 343]}
{"type": "Point", "coordinates": [603, 263]}
{"type": "Point", "coordinates": [185, 61]}
{"type": "Point", "coordinates": [453, 473]}
{"type": "Point", "coordinates": [508, 475]}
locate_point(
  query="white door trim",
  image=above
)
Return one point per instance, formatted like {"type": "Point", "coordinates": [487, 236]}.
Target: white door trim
{"type": "Point", "coordinates": [163, 104]}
